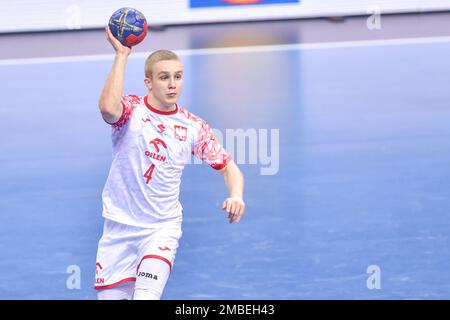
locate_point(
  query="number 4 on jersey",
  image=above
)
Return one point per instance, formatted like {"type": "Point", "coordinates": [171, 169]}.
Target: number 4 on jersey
{"type": "Point", "coordinates": [148, 173]}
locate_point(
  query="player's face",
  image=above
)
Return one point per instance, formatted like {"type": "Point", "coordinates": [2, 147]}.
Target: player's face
{"type": "Point", "coordinates": [166, 82]}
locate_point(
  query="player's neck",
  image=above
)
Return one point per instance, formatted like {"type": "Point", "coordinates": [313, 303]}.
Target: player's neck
{"type": "Point", "coordinates": [154, 103]}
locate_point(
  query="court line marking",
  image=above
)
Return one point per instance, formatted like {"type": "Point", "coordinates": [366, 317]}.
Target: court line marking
{"type": "Point", "coordinates": [234, 50]}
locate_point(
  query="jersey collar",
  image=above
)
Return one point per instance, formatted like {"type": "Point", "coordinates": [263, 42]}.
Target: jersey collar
{"type": "Point", "coordinates": [166, 113]}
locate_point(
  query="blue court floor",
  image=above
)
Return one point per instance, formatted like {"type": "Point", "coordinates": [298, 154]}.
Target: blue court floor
{"type": "Point", "coordinates": [363, 175]}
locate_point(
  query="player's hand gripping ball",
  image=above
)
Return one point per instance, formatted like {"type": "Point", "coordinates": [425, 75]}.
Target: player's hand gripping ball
{"type": "Point", "coordinates": [128, 25]}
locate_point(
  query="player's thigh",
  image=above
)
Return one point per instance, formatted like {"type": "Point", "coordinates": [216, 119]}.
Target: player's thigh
{"type": "Point", "coordinates": [157, 255]}
{"type": "Point", "coordinates": [116, 256]}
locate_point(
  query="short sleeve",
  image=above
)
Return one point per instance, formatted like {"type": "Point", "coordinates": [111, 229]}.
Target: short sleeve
{"type": "Point", "coordinates": [129, 102]}
{"type": "Point", "coordinates": [209, 150]}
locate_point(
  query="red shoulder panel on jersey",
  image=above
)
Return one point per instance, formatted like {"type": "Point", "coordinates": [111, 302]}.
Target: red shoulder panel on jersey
{"type": "Point", "coordinates": [129, 103]}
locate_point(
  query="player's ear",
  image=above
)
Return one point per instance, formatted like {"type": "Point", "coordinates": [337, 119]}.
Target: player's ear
{"type": "Point", "coordinates": [148, 83]}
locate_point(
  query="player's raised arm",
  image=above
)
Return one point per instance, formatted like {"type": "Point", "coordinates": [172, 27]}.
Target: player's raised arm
{"type": "Point", "coordinates": [234, 181]}
{"type": "Point", "coordinates": [110, 98]}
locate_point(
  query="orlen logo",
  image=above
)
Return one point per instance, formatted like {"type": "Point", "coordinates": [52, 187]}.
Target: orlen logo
{"type": "Point", "coordinates": [99, 280]}
{"type": "Point", "coordinates": [157, 141]}
{"type": "Point", "coordinates": [98, 267]}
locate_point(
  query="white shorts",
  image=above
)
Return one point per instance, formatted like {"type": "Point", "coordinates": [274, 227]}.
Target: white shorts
{"type": "Point", "coordinates": [122, 248]}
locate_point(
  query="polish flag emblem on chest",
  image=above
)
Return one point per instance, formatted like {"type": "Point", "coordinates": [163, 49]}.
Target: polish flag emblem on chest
{"type": "Point", "coordinates": [180, 133]}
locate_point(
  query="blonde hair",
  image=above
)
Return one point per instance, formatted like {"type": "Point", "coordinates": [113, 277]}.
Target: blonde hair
{"type": "Point", "coordinates": [157, 56]}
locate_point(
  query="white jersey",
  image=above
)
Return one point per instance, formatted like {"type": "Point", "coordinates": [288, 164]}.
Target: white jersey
{"type": "Point", "coordinates": [150, 150]}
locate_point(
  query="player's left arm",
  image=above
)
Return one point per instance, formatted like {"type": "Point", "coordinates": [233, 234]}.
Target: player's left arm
{"type": "Point", "coordinates": [234, 180]}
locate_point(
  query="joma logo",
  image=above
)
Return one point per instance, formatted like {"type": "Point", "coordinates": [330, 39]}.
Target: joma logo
{"type": "Point", "coordinates": [148, 275]}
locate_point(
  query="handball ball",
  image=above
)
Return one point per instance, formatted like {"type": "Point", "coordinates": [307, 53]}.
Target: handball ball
{"type": "Point", "coordinates": [129, 26]}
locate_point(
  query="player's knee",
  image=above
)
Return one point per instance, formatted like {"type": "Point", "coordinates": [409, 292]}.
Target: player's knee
{"type": "Point", "coordinates": [141, 293]}
{"type": "Point", "coordinates": [151, 279]}
{"type": "Point", "coordinates": [123, 292]}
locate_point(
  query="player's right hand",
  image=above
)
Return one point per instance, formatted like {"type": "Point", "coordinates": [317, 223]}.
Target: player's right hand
{"type": "Point", "coordinates": [118, 47]}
